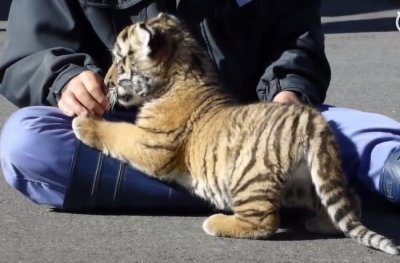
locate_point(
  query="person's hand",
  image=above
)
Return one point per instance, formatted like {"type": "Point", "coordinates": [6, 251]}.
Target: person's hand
{"type": "Point", "coordinates": [286, 97]}
{"type": "Point", "coordinates": [84, 94]}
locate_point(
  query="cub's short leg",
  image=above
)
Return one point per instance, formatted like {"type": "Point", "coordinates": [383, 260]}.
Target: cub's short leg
{"type": "Point", "coordinates": [90, 130]}
{"type": "Point", "coordinates": [322, 223]}
{"type": "Point", "coordinates": [124, 141]}
{"type": "Point", "coordinates": [254, 223]}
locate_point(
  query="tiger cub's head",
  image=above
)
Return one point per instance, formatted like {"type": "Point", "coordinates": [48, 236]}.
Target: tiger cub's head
{"type": "Point", "coordinates": [144, 57]}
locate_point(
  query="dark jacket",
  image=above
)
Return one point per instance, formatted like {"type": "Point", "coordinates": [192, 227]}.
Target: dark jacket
{"type": "Point", "coordinates": [259, 49]}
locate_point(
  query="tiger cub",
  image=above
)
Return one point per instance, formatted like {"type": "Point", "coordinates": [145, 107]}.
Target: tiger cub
{"type": "Point", "coordinates": [238, 157]}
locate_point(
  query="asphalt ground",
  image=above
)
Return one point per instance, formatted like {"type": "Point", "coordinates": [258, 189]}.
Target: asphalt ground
{"type": "Point", "coordinates": [362, 45]}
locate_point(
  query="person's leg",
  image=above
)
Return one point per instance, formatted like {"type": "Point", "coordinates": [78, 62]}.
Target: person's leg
{"type": "Point", "coordinates": [369, 144]}
{"type": "Point", "coordinates": [41, 158]}
{"type": "Point", "coordinates": [37, 145]}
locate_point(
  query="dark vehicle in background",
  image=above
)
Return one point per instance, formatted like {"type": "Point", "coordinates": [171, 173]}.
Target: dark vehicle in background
{"type": "Point", "coordinates": [4, 8]}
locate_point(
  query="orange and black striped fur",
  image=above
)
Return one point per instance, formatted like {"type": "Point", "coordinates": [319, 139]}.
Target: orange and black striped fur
{"type": "Point", "coordinates": [238, 157]}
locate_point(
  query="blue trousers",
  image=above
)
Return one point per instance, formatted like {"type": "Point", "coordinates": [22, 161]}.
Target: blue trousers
{"type": "Point", "coordinates": [38, 148]}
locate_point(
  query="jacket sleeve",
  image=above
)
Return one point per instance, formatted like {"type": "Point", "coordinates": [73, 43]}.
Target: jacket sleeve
{"type": "Point", "coordinates": [297, 57]}
{"type": "Point", "coordinates": [41, 52]}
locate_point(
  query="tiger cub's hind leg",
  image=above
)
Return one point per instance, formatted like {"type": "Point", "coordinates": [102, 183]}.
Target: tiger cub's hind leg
{"type": "Point", "coordinates": [322, 223]}
{"type": "Point", "coordinates": [258, 221]}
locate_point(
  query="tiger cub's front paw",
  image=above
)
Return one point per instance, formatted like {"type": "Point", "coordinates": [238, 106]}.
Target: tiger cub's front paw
{"type": "Point", "coordinates": [86, 129]}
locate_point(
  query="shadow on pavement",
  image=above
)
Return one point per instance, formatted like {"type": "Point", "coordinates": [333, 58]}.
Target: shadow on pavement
{"type": "Point", "coordinates": [382, 217]}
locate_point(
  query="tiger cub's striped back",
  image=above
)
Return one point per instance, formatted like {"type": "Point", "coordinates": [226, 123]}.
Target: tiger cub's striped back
{"type": "Point", "coordinates": [238, 157]}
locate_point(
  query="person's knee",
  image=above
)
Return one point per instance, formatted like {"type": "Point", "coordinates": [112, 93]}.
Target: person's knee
{"type": "Point", "coordinates": [30, 154]}
{"type": "Point", "coordinates": [390, 178]}
{"type": "Point", "coordinates": [16, 138]}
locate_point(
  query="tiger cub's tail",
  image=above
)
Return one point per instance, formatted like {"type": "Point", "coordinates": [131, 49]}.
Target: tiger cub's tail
{"type": "Point", "coordinates": [327, 177]}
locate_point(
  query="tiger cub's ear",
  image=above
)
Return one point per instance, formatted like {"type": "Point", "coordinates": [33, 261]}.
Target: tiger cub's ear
{"type": "Point", "coordinates": [146, 41]}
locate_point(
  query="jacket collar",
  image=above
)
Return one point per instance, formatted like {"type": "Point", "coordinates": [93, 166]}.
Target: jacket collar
{"type": "Point", "coordinates": [242, 2]}
{"type": "Point", "coordinates": [119, 4]}
{"type": "Point", "coordinates": [122, 4]}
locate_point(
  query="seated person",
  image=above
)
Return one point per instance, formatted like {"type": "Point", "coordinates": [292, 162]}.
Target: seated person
{"type": "Point", "coordinates": [53, 65]}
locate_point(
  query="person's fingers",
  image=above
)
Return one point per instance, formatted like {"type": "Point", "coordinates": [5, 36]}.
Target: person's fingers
{"type": "Point", "coordinates": [77, 98]}
{"type": "Point", "coordinates": [94, 84]}
{"type": "Point", "coordinates": [85, 99]}
{"type": "Point", "coordinates": [70, 105]}
{"type": "Point", "coordinates": [287, 97]}
{"type": "Point", "coordinates": [64, 109]}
